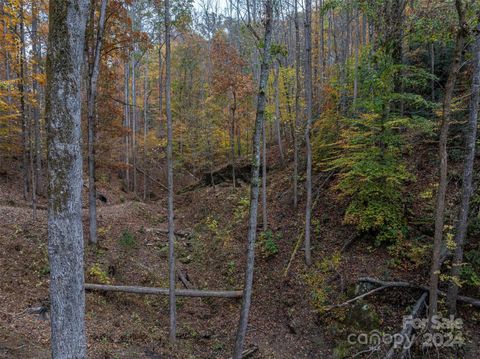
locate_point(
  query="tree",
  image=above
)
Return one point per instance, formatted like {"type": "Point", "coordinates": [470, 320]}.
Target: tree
{"type": "Point", "coordinates": [65, 235]}
{"type": "Point", "coordinates": [470, 143]}
{"type": "Point", "coordinates": [442, 182]}
{"type": "Point", "coordinates": [308, 113]}
{"type": "Point", "coordinates": [93, 73]}
{"type": "Point", "coordinates": [254, 186]}
{"type": "Point", "coordinates": [171, 226]}
{"type": "Point", "coordinates": [297, 107]}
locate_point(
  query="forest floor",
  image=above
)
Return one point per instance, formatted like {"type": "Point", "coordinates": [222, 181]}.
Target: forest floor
{"type": "Point", "coordinates": [284, 320]}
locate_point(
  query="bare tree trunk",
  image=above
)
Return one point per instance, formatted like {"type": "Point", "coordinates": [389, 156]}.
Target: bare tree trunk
{"type": "Point", "coordinates": [277, 112]}
{"type": "Point", "coordinates": [127, 126]}
{"type": "Point", "coordinates": [432, 69]}
{"type": "Point", "coordinates": [254, 187]}
{"type": "Point", "coordinates": [134, 122]}
{"type": "Point", "coordinates": [160, 132]}
{"type": "Point", "coordinates": [65, 235]}
{"type": "Point", "coordinates": [233, 108]}
{"type": "Point", "coordinates": [308, 101]}
{"type": "Point", "coordinates": [264, 178]}
{"type": "Point", "coordinates": [357, 45]}
{"type": "Point", "coordinates": [470, 141]}
{"type": "Point", "coordinates": [145, 129]}
{"type": "Point", "coordinates": [36, 108]}
{"type": "Point", "coordinates": [297, 108]}
{"type": "Point", "coordinates": [94, 71]}
{"type": "Point", "coordinates": [23, 110]}
{"type": "Point", "coordinates": [322, 44]}
{"type": "Point", "coordinates": [442, 184]}
{"type": "Point", "coordinates": [171, 226]}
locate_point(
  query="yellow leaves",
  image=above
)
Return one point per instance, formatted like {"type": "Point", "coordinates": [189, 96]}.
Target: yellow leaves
{"type": "Point", "coordinates": [98, 274]}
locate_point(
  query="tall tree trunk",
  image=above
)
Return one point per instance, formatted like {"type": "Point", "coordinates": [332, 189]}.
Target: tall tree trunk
{"type": "Point", "coordinates": [308, 101]}
{"type": "Point", "coordinates": [127, 125]}
{"type": "Point", "coordinates": [264, 179]}
{"type": "Point", "coordinates": [357, 45]}
{"type": "Point", "coordinates": [134, 122]}
{"type": "Point", "coordinates": [145, 129]}
{"type": "Point", "coordinates": [442, 184]}
{"type": "Point", "coordinates": [67, 22]}
{"type": "Point", "coordinates": [94, 71]}
{"type": "Point", "coordinates": [160, 132]}
{"type": "Point", "coordinates": [297, 107]}
{"type": "Point", "coordinates": [36, 109]}
{"type": "Point", "coordinates": [277, 112]}
{"type": "Point", "coordinates": [432, 70]}
{"type": "Point", "coordinates": [171, 227]}
{"type": "Point", "coordinates": [233, 108]}
{"type": "Point", "coordinates": [470, 142]}
{"type": "Point", "coordinates": [254, 187]}
{"type": "Point", "coordinates": [322, 45]}
{"type": "Point", "coordinates": [23, 110]}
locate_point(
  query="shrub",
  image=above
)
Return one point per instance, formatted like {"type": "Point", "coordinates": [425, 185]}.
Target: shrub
{"type": "Point", "coordinates": [127, 239]}
{"type": "Point", "coordinates": [267, 243]}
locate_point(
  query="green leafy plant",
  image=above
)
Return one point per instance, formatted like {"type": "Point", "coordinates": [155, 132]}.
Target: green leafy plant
{"type": "Point", "coordinates": [127, 239]}
{"type": "Point", "coordinates": [268, 245]}
{"type": "Point", "coordinates": [372, 171]}
{"type": "Point", "coordinates": [470, 272]}
{"type": "Point", "coordinates": [241, 208]}
{"type": "Point", "coordinates": [317, 278]}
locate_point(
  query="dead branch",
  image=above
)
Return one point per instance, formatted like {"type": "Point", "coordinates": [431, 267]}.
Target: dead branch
{"type": "Point", "coordinates": [183, 279]}
{"type": "Point", "coordinates": [151, 178]}
{"type": "Point", "coordinates": [407, 330]}
{"type": "Point", "coordinates": [462, 299]}
{"type": "Point", "coordinates": [164, 291]}
{"type": "Point", "coordinates": [356, 298]}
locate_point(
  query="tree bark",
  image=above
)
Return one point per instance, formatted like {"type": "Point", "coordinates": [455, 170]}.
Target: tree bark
{"type": "Point", "coordinates": [470, 142]}
{"type": "Point", "coordinates": [134, 120]}
{"type": "Point", "coordinates": [254, 187]}
{"type": "Point", "coordinates": [23, 109]}
{"type": "Point", "coordinates": [171, 226]}
{"type": "Point", "coordinates": [297, 107]}
{"type": "Point", "coordinates": [94, 71]}
{"type": "Point", "coordinates": [233, 108]}
{"type": "Point", "coordinates": [145, 130]}
{"type": "Point", "coordinates": [442, 184]}
{"type": "Point", "coordinates": [264, 179]}
{"type": "Point", "coordinates": [36, 109]}
{"type": "Point", "coordinates": [67, 22]}
{"type": "Point", "coordinates": [160, 132]}
{"type": "Point", "coordinates": [127, 125]}
{"type": "Point", "coordinates": [308, 113]}
{"type": "Point", "coordinates": [277, 112]}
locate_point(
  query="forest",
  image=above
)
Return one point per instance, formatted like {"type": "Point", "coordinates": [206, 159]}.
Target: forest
{"type": "Point", "coordinates": [239, 179]}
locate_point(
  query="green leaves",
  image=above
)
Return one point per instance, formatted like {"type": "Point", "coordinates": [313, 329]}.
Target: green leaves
{"type": "Point", "coordinates": [369, 155]}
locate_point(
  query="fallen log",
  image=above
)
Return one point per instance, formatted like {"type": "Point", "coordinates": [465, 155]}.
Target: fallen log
{"type": "Point", "coordinates": [462, 299]}
{"type": "Point", "coordinates": [408, 328]}
{"type": "Point", "coordinates": [151, 178]}
{"type": "Point", "coordinates": [164, 291]}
